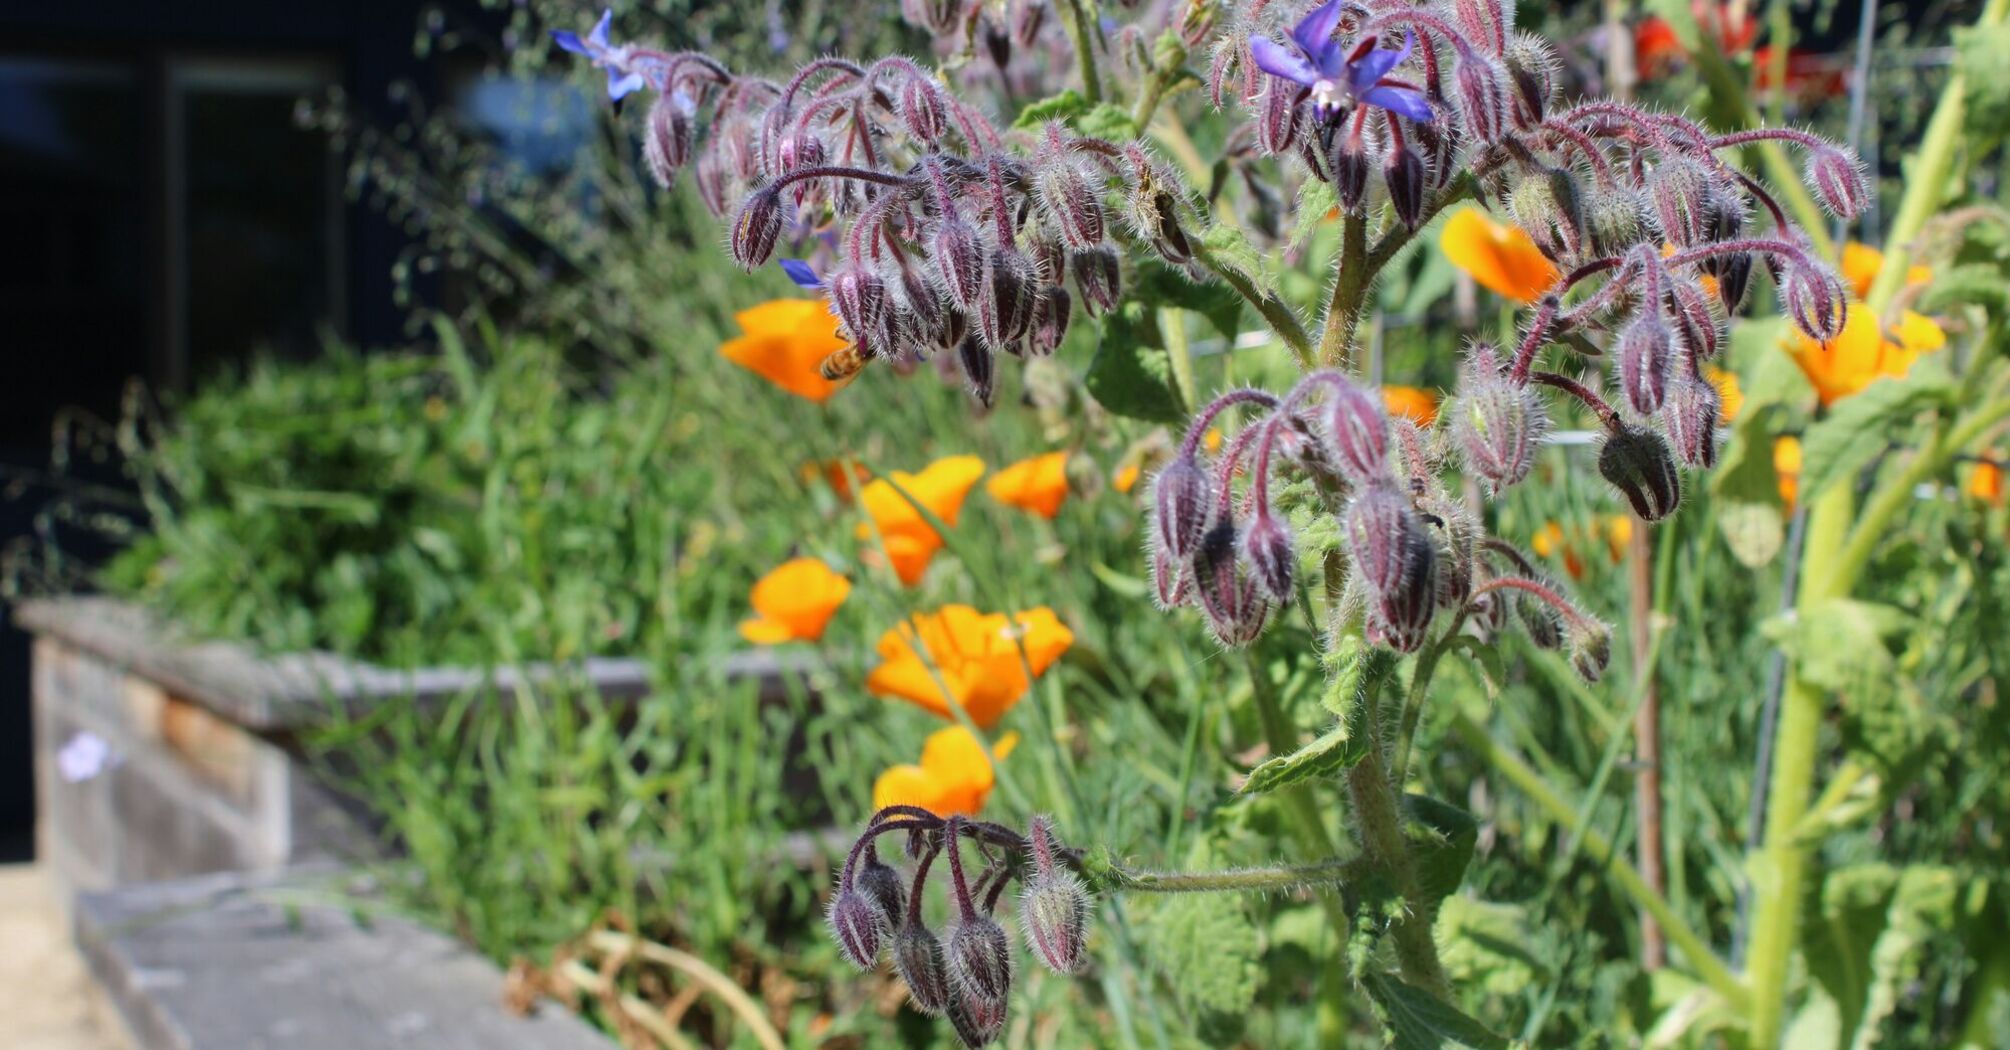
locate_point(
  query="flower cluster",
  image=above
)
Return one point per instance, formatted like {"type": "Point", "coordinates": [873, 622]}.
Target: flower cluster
{"type": "Point", "coordinates": [966, 972]}
{"type": "Point", "coordinates": [1220, 541]}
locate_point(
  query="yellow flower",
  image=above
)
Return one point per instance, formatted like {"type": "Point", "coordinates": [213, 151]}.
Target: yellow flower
{"type": "Point", "coordinates": [953, 777]}
{"type": "Point", "coordinates": [1730, 397]}
{"type": "Point", "coordinates": [1861, 354]}
{"type": "Point", "coordinates": [1415, 404]}
{"type": "Point", "coordinates": [1127, 476]}
{"type": "Point", "coordinates": [973, 659]}
{"type": "Point", "coordinates": [1787, 464]}
{"type": "Point", "coordinates": [794, 602]}
{"type": "Point", "coordinates": [1498, 256]}
{"type": "Point", "coordinates": [910, 541]}
{"type": "Point", "coordinates": [1618, 533]}
{"type": "Point", "coordinates": [784, 342]}
{"type": "Point", "coordinates": [1550, 541]}
{"type": "Point", "coordinates": [1860, 263]}
{"type": "Point", "coordinates": [1038, 484]}
{"type": "Point", "coordinates": [1985, 481]}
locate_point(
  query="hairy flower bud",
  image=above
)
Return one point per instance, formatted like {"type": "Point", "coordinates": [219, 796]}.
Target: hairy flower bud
{"type": "Point", "coordinates": [1395, 561]}
{"type": "Point", "coordinates": [1638, 463]}
{"type": "Point", "coordinates": [1159, 221]}
{"type": "Point", "coordinates": [1590, 648]}
{"type": "Point", "coordinates": [1403, 173]}
{"type": "Point", "coordinates": [918, 958]}
{"type": "Point", "coordinates": [1169, 581]}
{"type": "Point", "coordinates": [1546, 205]}
{"type": "Point", "coordinates": [801, 150]}
{"type": "Point", "coordinates": [1531, 71]}
{"type": "Point", "coordinates": [1613, 219]}
{"type": "Point", "coordinates": [1268, 551]}
{"type": "Point", "coordinates": [1075, 203]}
{"type": "Point", "coordinates": [1051, 309]}
{"type": "Point", "coordinates": [940, 17]}
{"type": "Point", "coordinates": [1181, 510]}
{"type": "Point", "coordinates": [1646, 349]}
{"type": "Point", "coordinates": [1054, 908]}
{"type": "Point", "coordinates": [1680, 190]}
{"type": "Point", "coordinates": [1701, 331]}
{"type": "Point", "coordinates": [1356, 432]}
{"type": "Point", "coordinates": [1456, 536]}
{"type": "Point", "coordinates": [1691, 421]}
{"type": "Point", "coordinates": [666, 147]}
{"type": "Point", "coordinates": [1482, 101]}
{"type": "Point", "coordinates": [979, 367]}
{"type": "Point", "coordinates": [1277, 122]}
{"type": "Point", "coordinates": [980, 959]}
{"type": "Point", "coordinates": [1349, 163]}
{"type": "Point", "coordinates": [860, 300]}
{"type": "Point", "coordinates": [959, 262]}
{"type": "Point", "coordinates": [1837, 180]}
{"type": "Point", "coordinates": [1497, 422]}
{"type": "Point", "coordinates": [756, 229]}
{"type": "Point", "coordinates": [1734, 276]}
{"type": "Point", "coordinates": [1005, 300]}
{"type": "Point", "coordinates": [1235, 610]}
{"type": "Point", "coordinates": [1099, 274]}
{"type": "Point", "coordinates": [921, 109]}
{"type": "Point", "coordinates": [1541, 620]}
{"type": "Point", "coordinates": [882, 886]}
{"type": "Point", "coordinates": [977, 1022]}
{"type": "Point", "coordinates": [855, 926]}
{"type": "Point", "coordinates": [1813, 299]}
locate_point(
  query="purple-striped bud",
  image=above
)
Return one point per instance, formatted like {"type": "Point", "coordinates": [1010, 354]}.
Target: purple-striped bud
{"type": "Point", "coordinates": [1005, 300]}
{"type": "Point", "coordinates": [1539, 619]}
{"type": "Point", "coordinates": [1546, 205]}
{"type": "Point", "coordinates": [980, 960]}
{"type": "Point", "coordinates": [1357, 431]}
{"type": "Point", "coordinates": [1268, 551]}
{"type": "Point", "coordinates": [1646, 350]}
{"type": "Point", "coordinates": [666, 147]}
{"type": "Point", "coordinates": [1734, 276]}
{"type": "Point", "coordinates": [1027, 19]}
{"type": "Point", "coordinates": [1395, 561]}
{"type": "Point", "coordinates": [860, 300]}
{"type": "Point", "coordinates": [1235, 610]}
{"type": "Point", "coordinates": [1531, 72]}
{"type": "Point", "coordinates": [1051, 309]}
{"type": "Point", "coordinates": [1638, 463]}
{"type": "Point", "coordinates": [855, 926]}
{"type": "Point", "coordinates": [882, 886]}
{"type": "Point", "coordinates": [939, 17]}
{"type": "Point", "coordinates": [1075, 203]}
{"type": "Point", "coordinates": [1837, 180]}
{"type": "Point", "coordinates": [977, 1023]}
{"type": "Point", "coordinates": [801, 150]}
{"type": "Point", "coordinates": [1691, 421]}
{"type": "Point", "coordinates": [1053, 909]}
{"type": "Point", "coordinates": [756, 229]}
{"type": "Point", "coordinates": [1350, 172]}
{"type": "Point", "coordinates": [1050, 259]}
{"type": "Point", "coordinates": [959, 262]}
{"type": "Point", "coordinates": [1590, 648]}
{"type": "Point", "coordinates": [980, 369]}
{"type": "Point", "coordinates": [1490, 613]}
{"type": "Point", "coordinates": [1456, 537]}
{"type": "Point", "coordinates": [1181, 510]}
{"type": "Point", "coordinates": [919, 959]}
{"type": "Point", "coordinates": [1497, 422]}
{"type": "Point", "coordinates": [1277, 123]}
{"type": "Point", "coordinates": [921, 109]}
{"type": "Point", "coordinates": [1403, 173]}
{"type": "Point", "coordinates": [1169, 581]}
{"type": "Point", "coordinates": [1813, 299]}
{"type": "Point", "coordinates": [1099, 274]}
{"type": "Point", "coordinates": [1701, 332]}
{"type": "Point", "coordinates": [1438, 142]}
{"type": "Point", "coordinates": [1482, 101]}
{"type": "Point", "coordinates": [1680, 190]}
{"type": "Point", "coordinates": [919, 314]}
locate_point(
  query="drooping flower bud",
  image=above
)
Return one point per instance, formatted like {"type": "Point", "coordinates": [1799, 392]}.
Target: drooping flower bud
{"type": "Point", "coordinates": [1349, 162]}
{"type": "Point", "coordinates": [1590, 648]}
{"type": "Point", "coordinates": [1837, 180]}
{"type": "Point", "coordinates": [1613, 219]}
{"type": "Point", "coordinates": [921, 109]}
{"type": "Point", "coordinates": [1272, 558]}
{"type": "Point", "coordinates": [1005, 300]}
{"type": "Point", "coordinates": [1054, 908]}
{"type": "Point", "coordinates": [977, 1022]}
{"type": "Point", "coordinates": [1646, 350]}
{"type": "Point", "coordinates": [1691, 420]}
{"type": "Point", "coordinates": [1099, 274]}
{"type": "Point", "coordinates": [1394, 560]}
{"type": "Point", "coordinates": [1403, 173]}
{"type": "Point", "coordinates": [860, 299]}
{"type": "Point", "coordinates": [1734, 276]}
{"type": "Point", "coordinates": [1497, 422]}
{"type": "Point", "coordinates": [882, 886]}
{"type": "Point", "coordinates": [1277, 123]}
{"type": "Point", "coordinates": [1546, 205]}
{"type": "Point", "coordinates": [979, 367]}
{"type": "Point", "coordinates": [1181, 510]}
{"type": "Point", "coordinates": [980, 959]}
{"type": "Point", "coordinates": [1027, 19]}
{"type": "Point", "coordinates": [756, 229]}
{"type": "Point", "coordinates": [1813, 299]}
{"type": "Point", "coordinates": [1701, 332]}
{"type": "Point", "coordinates": [1638, 463]}
{"type": "Point", "coordinates": [1531, 69]}
{"type": "Point", "coordinates": [1050, 258]}
{"type": "Point", "coordinates": [666, 148]}
{"type": "Point", "coordinates": [1161, 226]}
{"type": "Point", "coordinates": [1357, 431]}
{"type": "Point", "coordinates": [939, 17]}
{"type": "Point", "coordinates": [1540, 619]}
{"type": "Point", "coordinates": [1680, 190]}
{"type": "Point", "coordinates": [1235, 610]}
{"type": "Point", "coordinates": [1482, 101]}
{"type": "Point", "coordinates": [959, 262]}
{"type": "Point", "coordinates": [1075, 203]}
{"type": "Point", "coordinates": [918, 958]}
{"type": "Point", "coordinates": [1051, 309]}
{"type": "Point", "coordinates": [1456, 536]}
{"type": "Point", "coordinates": [1169, 581]}
{"type": "Point", "coordinates": [855, 926]}
{"type": "Point", "coordinates": [801, 150]}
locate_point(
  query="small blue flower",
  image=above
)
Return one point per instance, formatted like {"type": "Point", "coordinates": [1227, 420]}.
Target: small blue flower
{"type": "Point", "coordinates": [621, 80]}
{"type": "Point", "coordinates": [801, 273]}
{"type": "Point", "coordinates": [1318, 62]}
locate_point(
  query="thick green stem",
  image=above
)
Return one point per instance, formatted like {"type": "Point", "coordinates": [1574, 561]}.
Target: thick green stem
{"type": "Point", "coordinates": [1331, 873]}
{"type": "Point", "coordinates": [1276, 312]}
{"type": "Point", "coordinates": [1083, 29]}
{"type": "Point", "coordinates": [1379, 819]}
{"type": "Point", "coordinates": [1350, 293]}
{"type": "Point", "coordinates": [1698, 956]}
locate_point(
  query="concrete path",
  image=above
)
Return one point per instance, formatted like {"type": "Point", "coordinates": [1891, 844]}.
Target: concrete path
{"type": "Point", "coordinates": [45, 993]}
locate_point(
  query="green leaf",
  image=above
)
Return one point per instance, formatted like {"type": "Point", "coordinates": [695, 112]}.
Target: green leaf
{"type": "Point", "coordinates": [1486, 946]}
{"type": "Point", "coordinates": [1839, 645]}
{"type": "Point", "coordinates": [1107, 120]}
{"type": "Point", "coordinates": [1980, 284]}
{"type": "Point", "coordinates": [1067, 106]}
{"type": "Point", "coordinates": [1750, 514]}
{"type": "Point", "coordinates": [1207, 948]}
{"type": "Point", "coordinates": [1229, 245]}
{"type": "Point", "coordinates": [1315, 201]}
{"type": "Point", "coordinates": [1161, 285]}
{"type": "Point", "coordinates": [1441, 844]}
{"type": "Point", "coordinates": [1978, 54]}
{"type": "Point", "coordinates": [1858, 427]}
{"type": "Point", "coordinates": [1131, 372]}
{"type": "Point", "coordinates": [1336, 749]}
{"type": "Point", "coordinates": [1419, 1020]}
{"type": "Point", "coordinates": [1353, 667]}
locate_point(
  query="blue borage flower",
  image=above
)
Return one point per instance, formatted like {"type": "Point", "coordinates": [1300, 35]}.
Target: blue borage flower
{"type": "Point", "coordinates": [1339, 75]}
{"type": "Point", "coordinates": [622, 79]}
{"type": "Point", "coordinates": [802, 273]}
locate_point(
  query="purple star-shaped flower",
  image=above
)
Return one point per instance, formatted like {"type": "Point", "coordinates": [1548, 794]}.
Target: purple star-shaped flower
{"type": "Point", "coordinates": [1337, 79]}
{"type": "Point", "coordinates": [621, 81]}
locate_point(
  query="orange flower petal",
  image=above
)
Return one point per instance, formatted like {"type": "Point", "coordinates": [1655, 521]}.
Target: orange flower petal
{"type": "Point", "coordinates": [976, 655]}
{"type": "Point", "coordinates": [1415, 404]}
{"type": "Point", "coordinates": [800, 595]}
{"type": "Point", "coordinates": [765, 632]}
{"type": "Point", "coordinates": [1038, 484]}
{"type": "Point", "coordinates": [1126, 478]}
{"type": "Point", "coordinates": [1787, 464]}
{"type": "Point", "coordinates": [1500, 257]}
{"type": "Point", "coordinates": [1730, 397]}
{"type": "Point", "coordinates": [785, 341]}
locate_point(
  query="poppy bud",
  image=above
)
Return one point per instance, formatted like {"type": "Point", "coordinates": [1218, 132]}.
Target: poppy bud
{"type": "Point", "coordinates": [1680, 190]}
{"type": "Point", "coordinates": [756, 229]}
{"type": "Point", "coordinates": [666, 147]}
{"type": "Point", "coordinates": [1169, 581]}
{"type": "Point", "coordinates": [921, 109]}
{"type": "Point", "coordinates": [855, 924]}
{"type": "Point", "coordinates": [980, 959]}
{"type": "Point", "coordinates": [977, 1023]}
{"type": "Point", "coordinates": [1051, 307]}
{"type": "Point", "coordinates": [918, 958]}
{"type": "Point", "coordinates": [1482, 103]}
{"type": "Point", "coordinates": [1691, 421]}
{"type": "Point", "coordinates": [979, 368]}
{"type": "Point", "coordinates": [1181, 510]}
{"type": "Point", "coordinates": [1638, 463]}
{"type": "Point", "coordinates": [1545, 204]}
{"type": "Point", "coordinates": [1357, 431]}
{"type": "Point", "coordinates": [959, 264]}
{"type": "Point", "coordinates": [1277, 124]}
{"type": "Point", "coordinates": [1099, 274]}
{"type": "Point", "coordinates": [1268, 550]}
{"type": "Point", "coordinates": [1395, 562]}
{"type": "Point", "coordinates": [1005, 300]}
{"type": "Point", "coordinates": [860, 299]}
{"type": "Point", "coordinates": [1531, 69]}
{"type": "Point", "coordinates": [1497, 422]}
{"type": "Point", "coordinates": [1350, 173]}
{"type": "Point", "coordinates": [1590, 649]}
{"type": "Point", "coordinates": [1813, 299]}
{"type": "Point", "coordinates": [1235, 611]}
{"type": "Point", "coordinates": [882, 886]}
{"type": "Point", "coordinates": [1702, 333]}
{"type": "Point", "coordinates": [1075, 204]}
{"type": "Point", "coordinates": [1837, 180]}
{"type": "Point", "coordinates": [1403, 173]}
{"type": "Point", "coordinates": [1645, 351]}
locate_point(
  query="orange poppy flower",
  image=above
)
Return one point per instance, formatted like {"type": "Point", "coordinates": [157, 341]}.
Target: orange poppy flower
{"type": "Point", "coordinates": [1809, 75]}
{"type": "Point", "coordinates": [1550, 541]}
{"type": "Point", "coordinates": [971, 659]}
{"type": "Point", "coordinates": [1656, 48]}
{"type": "Point", "coordinates": [833, 473]}
{"type": "Point", "coordinates": [1038, 484]}
{"type": "Point", "coordinates": [1498, 256]}
{"type": "Point", "coordinates": [1126, 477]}
{"type": "Point", "coordinates": [1730, 396]}
{"type": "Point", "coordinates": [1787, 464]}
{"type": "Point", "coordinates": [910, 541]}
{"type": "Point", "coordinates": [1985, 481]}
{"type": "Point", "coordinates": [1861, 354]}
{"type": "Point", "coordinates": [1860, 263]}
{"type": "Point", "coordinates": [784, 342]}
{"type": "Point", "coordinates": [1415, 404]}
{"type": "Point", "coordinates": [794, 602]}
{"type": "Point", "coordinates": [953, 776]}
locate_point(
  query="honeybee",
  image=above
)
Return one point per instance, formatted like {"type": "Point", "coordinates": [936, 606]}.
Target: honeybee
{"type": "Point", "coordinates": [843, 364]}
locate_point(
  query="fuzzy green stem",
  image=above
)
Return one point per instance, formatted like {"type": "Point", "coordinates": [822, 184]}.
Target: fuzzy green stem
{"type": "Point", "coordinates": [1276, 312]}
{"type": "Point", "coordinates": [1083, 29]}
{"type": "Point", "coordinates": [1874, 524]}
{"type": "Point", "coordinates": [1379, 819]}
{"type": "Point", "coordinates": [1350, 293]}
{"type": "Point", "coordinates": [1331, 873]}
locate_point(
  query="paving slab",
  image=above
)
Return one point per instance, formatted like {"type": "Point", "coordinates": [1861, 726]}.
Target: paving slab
{"type": "Point", "coordinates": [45, 992]}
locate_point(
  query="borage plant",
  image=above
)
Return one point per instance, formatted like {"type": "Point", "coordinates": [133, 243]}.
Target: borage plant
{"type": "Point", "coordinates": [933, 230]}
